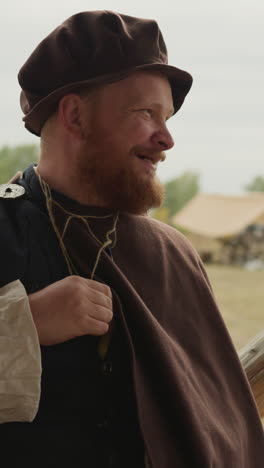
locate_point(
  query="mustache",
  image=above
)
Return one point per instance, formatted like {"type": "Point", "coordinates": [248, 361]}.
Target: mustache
{"type": "Point", "coordinates": [163, 156]}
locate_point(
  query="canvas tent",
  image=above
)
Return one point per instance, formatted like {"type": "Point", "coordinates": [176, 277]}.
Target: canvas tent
{"type": "Point", "coordinates": [221, 216]}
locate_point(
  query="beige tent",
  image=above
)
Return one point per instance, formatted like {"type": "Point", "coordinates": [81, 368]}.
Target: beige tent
{"type": "Point", "coordinates": [221, 216]}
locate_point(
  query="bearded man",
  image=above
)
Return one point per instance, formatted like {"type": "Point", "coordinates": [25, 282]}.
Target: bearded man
{"type": "Point", "coordinates": [137, 366]}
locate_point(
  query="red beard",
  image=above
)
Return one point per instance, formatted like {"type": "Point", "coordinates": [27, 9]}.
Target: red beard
{"type": "Point", "coordinates": [117, 186]}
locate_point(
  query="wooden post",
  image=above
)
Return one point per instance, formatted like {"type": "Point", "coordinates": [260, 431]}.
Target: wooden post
{"type": "Point", "coordinates": [252, 360]}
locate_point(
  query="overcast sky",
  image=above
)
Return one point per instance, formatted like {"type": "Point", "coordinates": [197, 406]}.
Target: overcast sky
{"type": "Point", "coordinates": [219, 130]}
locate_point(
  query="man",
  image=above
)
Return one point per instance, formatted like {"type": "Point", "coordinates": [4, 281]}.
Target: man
{"type": "Point", "coordinates": [138, 368]}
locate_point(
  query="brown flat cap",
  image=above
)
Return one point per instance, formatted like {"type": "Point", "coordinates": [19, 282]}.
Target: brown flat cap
{"type": "Point", "coordinates": [89, 48]}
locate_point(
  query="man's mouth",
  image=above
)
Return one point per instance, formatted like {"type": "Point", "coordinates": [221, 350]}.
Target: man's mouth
{"type": "Point", "coordinates": [150, 160]}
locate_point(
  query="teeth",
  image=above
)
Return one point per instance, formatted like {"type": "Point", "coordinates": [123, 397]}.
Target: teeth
{"type": "Point", "coordinates": [144, 157]}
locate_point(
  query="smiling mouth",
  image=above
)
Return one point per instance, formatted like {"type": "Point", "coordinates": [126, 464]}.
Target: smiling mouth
{"type": "Point", "coordinates": [148, 159]}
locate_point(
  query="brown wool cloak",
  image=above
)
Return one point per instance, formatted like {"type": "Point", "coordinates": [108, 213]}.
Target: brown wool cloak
{"type": "Point", "coordinates": [195, 407]}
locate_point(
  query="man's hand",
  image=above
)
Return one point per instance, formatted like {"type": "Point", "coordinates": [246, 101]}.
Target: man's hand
{"type": "Point", "coordinates": [71, 307]}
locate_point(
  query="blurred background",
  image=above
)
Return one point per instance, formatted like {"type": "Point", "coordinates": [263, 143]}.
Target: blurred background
{"type": "Point", "coordinates": [214, 175]}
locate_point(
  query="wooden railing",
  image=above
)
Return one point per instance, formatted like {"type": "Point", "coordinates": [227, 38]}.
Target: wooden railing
{"type": "Point", "coordinates": [252, 360]}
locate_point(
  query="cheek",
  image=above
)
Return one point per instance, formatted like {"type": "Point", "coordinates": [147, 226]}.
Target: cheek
{"type": "Point", "coordinates": [138, 130]}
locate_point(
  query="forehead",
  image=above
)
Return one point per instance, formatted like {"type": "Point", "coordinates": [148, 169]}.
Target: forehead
{"type": "Point", "coordinates": [140, 87]}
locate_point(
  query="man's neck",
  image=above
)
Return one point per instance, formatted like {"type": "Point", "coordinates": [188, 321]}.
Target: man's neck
{"type": "Point", "coordinates": [68, 185]}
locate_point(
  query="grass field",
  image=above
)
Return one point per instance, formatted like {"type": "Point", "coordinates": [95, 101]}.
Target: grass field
{"type": "Point", "coordinates": [240, 297]}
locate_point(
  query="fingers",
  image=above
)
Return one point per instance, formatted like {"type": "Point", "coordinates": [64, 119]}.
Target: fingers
{"type": "Point", "coordinates": [79, 281]}
{"type": "Point", "coordinates": [98, 298]}
{"type": "Point", "coordinates": [98, 293]}
{"type": "Point", "coordinates": [71, 307]}
{"type": "Point", "coordinates": [94, 326]}
{"type": "Point", "coordinates": [101, 314]}
{"type": "Point", "coordinates": [92, 291]}
{"type": "Point", "coordinates": [100, 287]}
{"type": "Point", "coordinates": [96, 305]}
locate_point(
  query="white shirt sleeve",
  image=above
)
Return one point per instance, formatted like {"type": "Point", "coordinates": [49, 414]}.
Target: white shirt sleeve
{"type": "Point", "coordinates": [20, 358]}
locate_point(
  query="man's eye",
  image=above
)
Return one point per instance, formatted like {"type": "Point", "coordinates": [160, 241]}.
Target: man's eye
{"type": "Point", "coordinates": [147, 111]}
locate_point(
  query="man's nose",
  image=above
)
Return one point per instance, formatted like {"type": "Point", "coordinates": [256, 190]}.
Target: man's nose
{"type": "Point", "coordinates": [163, 139]}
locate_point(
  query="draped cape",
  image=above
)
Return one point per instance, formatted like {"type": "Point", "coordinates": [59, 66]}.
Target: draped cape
{"type": "Point", "coordinates": [194, 404]}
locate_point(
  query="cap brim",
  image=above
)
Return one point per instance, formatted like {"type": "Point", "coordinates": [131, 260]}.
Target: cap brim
{"type": "Point", "coordinates": [180, 81]}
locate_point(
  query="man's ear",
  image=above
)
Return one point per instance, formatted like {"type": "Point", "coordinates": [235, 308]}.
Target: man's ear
{"type": "Point", "coordinates": [70, 110]}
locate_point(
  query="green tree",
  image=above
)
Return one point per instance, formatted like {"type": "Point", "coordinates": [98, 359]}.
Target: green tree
{"type": "Point", "coordinates": [256, 185]}
{"type": "Point", "coordinates": [161, 214]}
{"type": "Point", "coordinates": [16, 158]}
{"type": "Point", "coordinates": [178, 192]}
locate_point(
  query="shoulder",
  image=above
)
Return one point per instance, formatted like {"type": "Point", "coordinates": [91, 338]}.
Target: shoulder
{"type": "Point", "coordinates": [163, 229]}
{"type": "Point", "coordinates": [162, 251]}
{"type": "Point", "coordinates": [165, 234]}
{"type": "Point", "coordinates": [12, 199]}
{"type": "Point", "coordinates": [16, 205]}
{"type": "Point", "coordinates": [11, 191]}
{"type": "Point", "coordinates": [13, 233]}
{"type": "Point", "coordinates": [179, 252]}
{"type": "Point", "coordinates": [149, 235]}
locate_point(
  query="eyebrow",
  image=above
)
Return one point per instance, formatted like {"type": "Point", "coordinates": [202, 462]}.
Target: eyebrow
{"type": "Point", "coordinates": [170, 111]}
